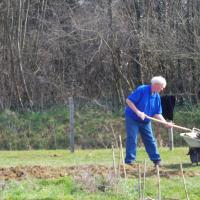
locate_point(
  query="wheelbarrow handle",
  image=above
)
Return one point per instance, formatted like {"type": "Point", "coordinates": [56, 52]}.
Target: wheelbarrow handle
{"type": "Point", "coordinates": [173, 125]}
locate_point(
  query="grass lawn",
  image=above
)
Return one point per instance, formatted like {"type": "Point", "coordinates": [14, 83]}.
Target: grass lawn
{"type": "Point", "coordinates": [88, 186]}
{"type": "Point", "coordinates": [64, 157]}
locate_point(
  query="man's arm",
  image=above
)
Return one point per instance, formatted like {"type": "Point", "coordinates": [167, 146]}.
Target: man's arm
{"type": "Point", "coordinates": [135, 110]}
{"type": "Point", "coordinates": [160, 117]}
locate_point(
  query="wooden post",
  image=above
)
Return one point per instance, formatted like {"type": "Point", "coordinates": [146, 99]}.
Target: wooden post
{"type": "Point", "coordinates": [71, 121]}
{"type": "Point", "coordinates": [171, 138]}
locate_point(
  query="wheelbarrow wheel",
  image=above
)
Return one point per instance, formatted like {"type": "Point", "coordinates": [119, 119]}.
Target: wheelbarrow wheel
{"type": "Point", "coordinates": [194, 155]}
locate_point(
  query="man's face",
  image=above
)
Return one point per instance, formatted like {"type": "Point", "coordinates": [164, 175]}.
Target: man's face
{"type": "Point", "coordinates": [158, 87]}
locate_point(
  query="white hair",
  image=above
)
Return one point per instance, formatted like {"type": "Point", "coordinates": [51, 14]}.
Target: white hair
{"type": "Point", "coordinates": [159, 80]}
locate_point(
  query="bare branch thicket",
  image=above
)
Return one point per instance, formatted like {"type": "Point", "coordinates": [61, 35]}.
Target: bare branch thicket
{"type": "Point", "coordinates": [51, 50]}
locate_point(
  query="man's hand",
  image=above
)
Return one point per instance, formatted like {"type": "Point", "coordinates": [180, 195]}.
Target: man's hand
{"type": "Point", "coordinates": [161, 118]}
{"type": "Point", "coordinates": [169, 124]}
{"type": "Point", "coordinates": [141, 115]}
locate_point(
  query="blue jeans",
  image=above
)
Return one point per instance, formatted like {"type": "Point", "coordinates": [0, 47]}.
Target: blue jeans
{"type": "Point", "coordinates": [145, 129]}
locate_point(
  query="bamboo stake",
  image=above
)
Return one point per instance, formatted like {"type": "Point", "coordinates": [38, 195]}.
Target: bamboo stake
{"type": "Point", "coordinates": [114, 163]}
{"type": "Point", "coordinates": [184, 182]}
{"type": "Point", "coordinates": [144, 177]}
{"type": "Point", "coordinates": [158, 177]}
{"type": "Point", "coordinates": [139, 182]}
{"type": "Point", "coordinates": [114, 136]}
{"type": "Point", "coordinates": [120, 160]}
{"type": "Point", "coordinates": [122, 156]}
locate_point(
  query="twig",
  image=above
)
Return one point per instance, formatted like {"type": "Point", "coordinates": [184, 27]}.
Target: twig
{"type": "Point", "coordinates": [184, 182]}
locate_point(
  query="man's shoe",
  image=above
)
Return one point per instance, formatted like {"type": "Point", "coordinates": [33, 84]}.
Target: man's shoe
{"type": "Point", "coordinates": [157, 163]}
{"type": "Point", "coordinates": [130, 164]}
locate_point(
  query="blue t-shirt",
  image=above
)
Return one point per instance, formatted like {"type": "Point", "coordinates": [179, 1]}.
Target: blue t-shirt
{"type": "Point", "coordinates": [145, 101]}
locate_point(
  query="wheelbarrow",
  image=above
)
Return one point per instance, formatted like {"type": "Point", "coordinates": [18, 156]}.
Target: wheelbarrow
{"type": "Point", "coordinates": [192, 138]}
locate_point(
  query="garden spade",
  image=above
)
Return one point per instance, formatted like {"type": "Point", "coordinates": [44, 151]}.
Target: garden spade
{"type": "Point", "coordinates": [194, 130]}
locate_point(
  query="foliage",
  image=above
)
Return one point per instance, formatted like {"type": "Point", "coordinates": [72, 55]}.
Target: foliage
{"type": "Point", "coordinates": [27, 130]}
{"type": "Point", "coordinates": [50, 129]}
{"type": "Point", "coordinates": [94, 127]}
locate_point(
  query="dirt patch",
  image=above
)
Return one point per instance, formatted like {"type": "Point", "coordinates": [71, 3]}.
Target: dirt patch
{"type": "Point", "coordinates": [23, 172]}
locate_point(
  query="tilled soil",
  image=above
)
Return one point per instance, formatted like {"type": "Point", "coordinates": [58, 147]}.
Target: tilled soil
{"type": "Point", "coordinates": [23, 172]}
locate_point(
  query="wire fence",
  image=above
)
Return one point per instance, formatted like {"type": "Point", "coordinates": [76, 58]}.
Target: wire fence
{"type": "Point", "coordinates": [94, 126]}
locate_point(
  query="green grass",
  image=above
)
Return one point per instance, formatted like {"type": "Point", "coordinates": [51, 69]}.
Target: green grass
{"type": "Point", "coordinates": [174, 188]}
{"type": "Point", "coordinates": [61, 158]}
{"type": "Point", "coordinates": [67, 188]}
{"type": "Point", "coordinates": [57, 158]}
{"type": "Point", "coordinates": [39, 189]}
{"type": "Point", "coordinates": [61, 189]}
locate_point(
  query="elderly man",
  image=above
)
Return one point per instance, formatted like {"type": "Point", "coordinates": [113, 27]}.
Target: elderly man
{"type": "Point", "coordinates": [145, 100]}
